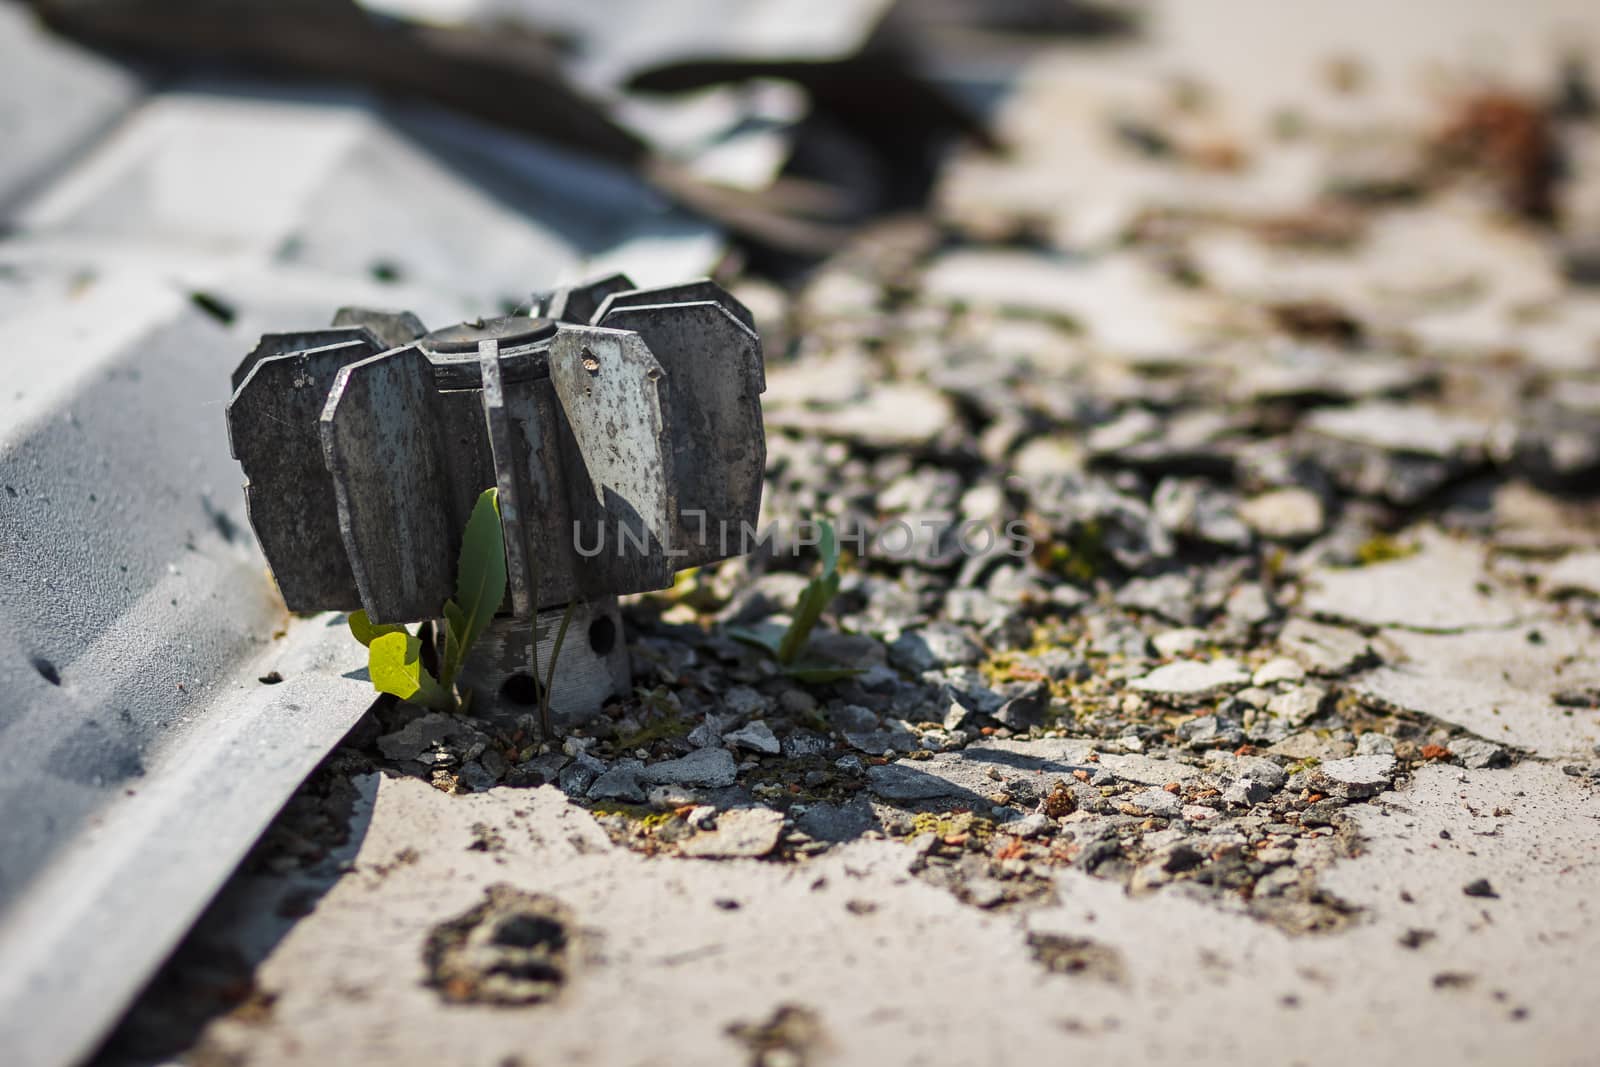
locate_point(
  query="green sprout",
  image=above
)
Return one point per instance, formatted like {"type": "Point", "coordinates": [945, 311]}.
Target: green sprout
{"type": "Point", "coordinates": [785, 645]}
{"type": "Point", "coordinates": [394, 654]}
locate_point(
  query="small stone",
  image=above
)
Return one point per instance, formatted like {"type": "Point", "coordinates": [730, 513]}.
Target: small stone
{"type": "Point", "coordinates": [571, 746]}
{"type": "Point", "coordinates": [494, 764]}
{"type": "Point", "coordinates": [1441, 585]}
{"type": "Point", "coordinates": [852, 718]}
{"type": "Point", "coordinates": [933, 646]}
{"type": "Point", "coordinates": [1033, 825]}
{"type": "Point", "coordinates": [1480, 888]}
{"type": "Point", "coordinates": [960, 716]}
{"type": "Point", "coordinates": [1476, 755]}
{"type": "Point", "coordinates": [1282, 669]}
{"type": "Point", "coordinates": [1246, 792]}
{"type": "Point", "coordinates": [743, 833]}
{"type": "Point", "coordinates": [1171, 596]}
{"type": "Point", "coordinates": [1298, 706]}
{"type": "Point", "coordinates": [1024, 711]}
{"type": "Point", "coordinates": [577, 776]}
{"type": "Point", "coordinates": [892, 736]}
{"type": "Point", "coordinates": [1111, 635]}
{"type": "Point", "coordinates": [741, 700]}
{"type": "Point", "coordinates": [893, 781]}
{"type": "Point", "coordinates": [1211, 731]}
{"type": "Point", "coordinates": [1157, 802]}
{"type": "Point", "coordinates": [431, 734]}
{"type": "Point", "coordinates": [1146, 770]}
{"type": "Point", "coordinates": [1292, 514]}
{"type": "Point", "coordinates": [851, 765]}
{"type": "Point", "coordinates": [1399, 451]}
{"type": "Point", "coordinates": [799, 743]}
{"type": "Point", "coordinates": [1355, 777]}
{"type": "Point", "coordinates": [1178, 642]}
{"type": "Point", "coordinates": [1192, 680]}
{"type": "Point", "coordinates": [670, 797]}
{"type": "Point", "coordinates": [474, 778]}
{"type": "Point", "coordinates": [1198, 813]}
{"type": "Point", "coordinates": [1268, 772]}
{"type": "Point", "coordinates": [757, 736]}
{"type": "Point", "coordinates": [621, 782]}
{"type": "Point", "coordinates": [1253, 696]}
{"type": "Point", "coordinates": [1307, 745]}
{"type": "Point", "coordinates": [838, 822]}
{"type": "Point", "coordinates": [1190, 508]}
{"type": "Point", "coordinates": [1249, 605]}
{"type": "Point", "coordinates": [706, 734]}
{"type": "Point", "coordinates": [540, 770]}
{"type": "Point", "coordinates": [1322, 813]}
{"type": "Point", "coordinates": [797, 702]}
{"type": "Point", "coordinates": [711, 767]}
{"type": "Point", "coordinates": [1322, 649]}
{"type": "Point", "coordinates": [1373, 743]}
{"type": "Point", "coordinates": [1575, 574]}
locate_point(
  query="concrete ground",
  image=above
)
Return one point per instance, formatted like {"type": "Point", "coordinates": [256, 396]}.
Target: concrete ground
{"type": "Point", "coordinates": [1284, 751]}
{"type": "Point", "coordinates": [851, 958]}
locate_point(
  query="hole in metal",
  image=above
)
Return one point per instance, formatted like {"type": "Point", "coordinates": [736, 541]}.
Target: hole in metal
{"type": "Point", "coordinates": [521, 689]}
{"type": "Point", "coordinates": [602, 635]}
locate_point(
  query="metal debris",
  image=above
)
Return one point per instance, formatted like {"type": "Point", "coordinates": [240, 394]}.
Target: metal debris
{"type": "Point", "coordinates": [622, 427]}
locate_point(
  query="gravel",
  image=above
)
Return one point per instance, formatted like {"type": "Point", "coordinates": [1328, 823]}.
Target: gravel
{"type": "Point", "coordinates": [1190, 681]}
{"type": "Point", "coordinates": [1358, 776]}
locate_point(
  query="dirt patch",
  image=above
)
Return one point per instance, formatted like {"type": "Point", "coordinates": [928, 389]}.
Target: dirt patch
{"type": "Point", "coordinates": [792, 1037]}
{"type": "Point", "coordinates": [1061, 954]}
{"type": "Point", "coordinates": [514, 948]}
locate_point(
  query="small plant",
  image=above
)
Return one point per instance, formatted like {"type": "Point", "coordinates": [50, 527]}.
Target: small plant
{"type": "Point", "coordinates": [550, 673]}
{"type": "Point", "coordinates": [394, 654]}
{"type": "Point", "coordinates": [785, 645]}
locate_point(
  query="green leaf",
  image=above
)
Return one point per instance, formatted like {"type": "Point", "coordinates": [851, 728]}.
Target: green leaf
{"type": "Point", "coordinates": [815, 598]}
{"type": "Point", "coordinates": [828, 548]}
{"type": "Point", "coordinates": [786, 645]}
{"type": "Point", "coordinates": [818, 594]}
{"type": "Point", "coordinates": [455, 625]}
{"type": "Point", "coordinates": [455, 619]}
{"type": "Point", "coordinates": [481, 572]}
{"type": "Point", "coordinates": [766, 636]}
{"type": "Point", "coordinates": [394, 662]}
{"type": "Point", "coordinates": [364, 629]}
{"type": "Point", "coordinates": [818, 673]}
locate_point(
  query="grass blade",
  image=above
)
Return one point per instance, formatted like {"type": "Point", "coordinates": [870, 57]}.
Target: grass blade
{"type": "Point", "coordinates": [481, 572]}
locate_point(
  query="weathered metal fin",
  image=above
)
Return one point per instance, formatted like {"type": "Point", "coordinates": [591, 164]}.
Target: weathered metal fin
{"type": "Point", "coordinates": [698, 291]}
{"type": "Point", "coordinates": [380, 440]}
{"type": "Point", "coordinates": [695, 292]}
{"type": "Point", "coordinates": [279, 344]}
{"type": "Point", "coordinates": [392, 328]}
{"type": "Point", "coordinates": [617, 405]}
{"type": "Point", "coordinates": [577, 303]}
{"type": "Point", "coordinates": [712, 361]}
{"type": "Point", "coordinates": [289, 495]}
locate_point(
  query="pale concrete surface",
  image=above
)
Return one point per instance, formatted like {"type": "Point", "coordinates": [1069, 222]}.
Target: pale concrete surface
{"type": "Point", "coordinates": [899, 971]}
